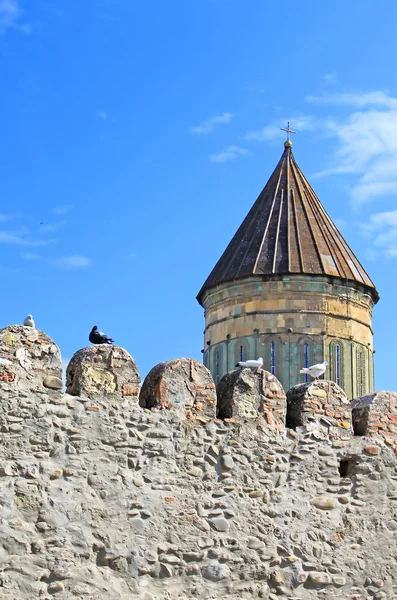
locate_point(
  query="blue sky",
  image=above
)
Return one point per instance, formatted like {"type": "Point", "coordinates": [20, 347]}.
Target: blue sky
{"type": "Point", "coordinates": [137, 135]}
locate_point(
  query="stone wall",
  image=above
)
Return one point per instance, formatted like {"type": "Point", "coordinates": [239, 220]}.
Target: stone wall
{"type": "Point", "coordinates": [122, 502]}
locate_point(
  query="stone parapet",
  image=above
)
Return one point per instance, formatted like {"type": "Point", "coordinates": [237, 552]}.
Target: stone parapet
{"type": "Point", "coordinates": [29, 360]}
{"type": "Point", "coordinates": [182, 382]}
{"type": "Point", "coordinates": [321, 402]}
{"type": "Point", "coordinates": [103, 371]}
{"type": "Point", "coordinates": [247, 393]}
{"type": "Point", "coordinates": [116, 503]}
{"type": "Point", "coordinates": [375, 415]}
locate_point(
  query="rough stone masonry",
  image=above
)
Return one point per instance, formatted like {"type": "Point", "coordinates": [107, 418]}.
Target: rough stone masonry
{"type": "Point", "coordinates": [101, 498]}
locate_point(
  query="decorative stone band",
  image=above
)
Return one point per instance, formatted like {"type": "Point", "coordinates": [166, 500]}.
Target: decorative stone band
{"type": "Point", "coordinates": [319, 402]}
{"type": "Point", "coordinates": [103, 371]}
{"type": "Point", "coordinates": [29, 360]}
{"type": "Point", "coordinates": [248, 393]}
{"type": "Point", "coordinates": [182, 382]}
{"type": "Point", "coordinates": [375, 415]}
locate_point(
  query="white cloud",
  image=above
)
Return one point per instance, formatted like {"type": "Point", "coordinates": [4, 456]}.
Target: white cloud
{"type": "Point", "coordinates": [62, 210]}
{"type": "Point", "coordinates": [376, 98]}
{"type": "Point", "coordinates": [29, 256]}
{"type": "Point", "coordinates": [382, 219]}
{"type": "Point", "coordinates": [230, 153]}
{"type": "Point", "coordinates": [208, 125]}
{"type": "Point", "coordinates": [367, 143]}
{"type": "Point", "coordinates": [102, 115]}
{"type": "Point", "coordinates": [273, 131]}
{"type": "Point", "coordinates": [72, 262]}
{"type": "Point", "coordinates": [382, 230]}
{"type": "Point", "coordinates": [10, 17]}
{"type": "Point", "coordinates": [16, 239]}
{"type": "Point", "coordinates": [51, 227]}
{"type": "Point", "coordinates": [330, 78]}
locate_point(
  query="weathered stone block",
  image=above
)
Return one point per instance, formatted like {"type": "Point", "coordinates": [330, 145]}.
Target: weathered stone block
{"type": "Point", "coordinates": [246, 393]}
{"type": "Point", "coordinates": [28, 358]}
{"type": "Point", "coordinates": [104, 370]}
{"type": "Point", "coordinates": [180, 382]}
{"type": "Point", "coordinates": [322, 402]}
{"type": "Point", "coordinates": [375, 415]}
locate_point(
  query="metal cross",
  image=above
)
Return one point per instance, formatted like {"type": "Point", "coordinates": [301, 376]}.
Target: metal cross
{"type": "Point", "coordinates": [288, 130]}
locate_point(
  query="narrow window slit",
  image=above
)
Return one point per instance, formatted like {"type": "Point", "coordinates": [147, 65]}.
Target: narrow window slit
{"type": "Point", "coordinates": [345, 467]}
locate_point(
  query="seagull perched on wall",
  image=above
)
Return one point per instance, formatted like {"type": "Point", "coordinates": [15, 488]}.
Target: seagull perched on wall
{"type": "Point", "coordinates": [253, 364]}
{"type": "Point", "coordinates": [28, 322]}
{"type": "Point", "coordinates": [98, 337]}
{"type": "Point", "coordinates": [315, 371]}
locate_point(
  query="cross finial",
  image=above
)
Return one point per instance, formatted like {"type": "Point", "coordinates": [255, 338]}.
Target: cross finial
{"type": "Point", "coordinates": [288, 130]}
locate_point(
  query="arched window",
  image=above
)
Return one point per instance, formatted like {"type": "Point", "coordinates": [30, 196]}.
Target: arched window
{"type": "Point", "coordinates": [360, 373]}
{"type": "Point", "coordinates": [273, 358]}
{"type": "Point", "coordinates": [335, 360]}
{"type": "Point", "coordinates": [241, 351]}
{"type": "Point", "coordinates": [337, 354]}
{"type": "Point", "coordinates": [306, 358]}
{"type": "Point", "coordinates": [217, 367]}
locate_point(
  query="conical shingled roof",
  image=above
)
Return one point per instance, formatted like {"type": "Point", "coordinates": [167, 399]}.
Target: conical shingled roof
{"type": "Point", "coordinates": [287, 231]}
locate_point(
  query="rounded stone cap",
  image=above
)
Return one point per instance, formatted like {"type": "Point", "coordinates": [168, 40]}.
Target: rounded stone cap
{"type": "Point", "coordinates": [102, 371]}
{"type": "Point", "coordinates": [320, 401]}
{"type": "Point", "coordinates": [180, 382]}
{"type": "Point", "coordinates": [247, 393]}
{"type": "Point", "coordinates": [375, 415]}
{"type": "Point", "coordinates": [29, 359]}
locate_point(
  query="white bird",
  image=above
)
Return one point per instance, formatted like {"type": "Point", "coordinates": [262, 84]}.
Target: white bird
{"type": "Point", "coordinates": [315, 371]}
{"type": "Point", "coordinates": [253, 364]}
{"type": "Point", "coordinates": [28, 322]}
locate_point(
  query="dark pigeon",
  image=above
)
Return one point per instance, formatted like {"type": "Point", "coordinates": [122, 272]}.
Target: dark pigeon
{"type": "Point", "coordinates": [97, 337]}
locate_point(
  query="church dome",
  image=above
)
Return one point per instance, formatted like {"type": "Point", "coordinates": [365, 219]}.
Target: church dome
{"type": "Point", "coordinates": [288, 231]}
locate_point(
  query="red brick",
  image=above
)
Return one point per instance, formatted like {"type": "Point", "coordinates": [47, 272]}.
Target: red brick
{"type": "Point", "coordinates": [372, 450]}
{"type": "Point", "coordinates": [129, 390]}
{"type": "Point", "coordinates": [6, 376]}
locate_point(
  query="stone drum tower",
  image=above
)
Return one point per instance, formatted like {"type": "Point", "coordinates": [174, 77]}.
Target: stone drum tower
{"type": "Point", "coordinates": [289, 288]}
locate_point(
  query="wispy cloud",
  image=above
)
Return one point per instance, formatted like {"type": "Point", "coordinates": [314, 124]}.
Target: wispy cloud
{"type": "Point", "coordinates": [208, 125]}
{"type": "Point", "coordinates": [10, 17]}
{"type": "Point", "coordinates": [51, 227]}
{"type": "Point", "coordinates": [62, 210]}
{"type": "Point", "coordinates": [376, 98]}
{"type": "Point", "coordinates": [382, 230]}
{"type": "Point", "coordinates": [272, 131]}
{"type": "Point", "coordinates": [330, 78]}
{"type": "Point", "coordinates": [30, 256]}
{"type": "Point", "coordinates": [72, 262]}
{"type": "Point", "coordinates": [17, 239]}
{"type": "Point", "coordinates": [367, 143]}
{"type": "Point", "coordinates": [102, 115]}
{"type": "Point", "coordinates": [230, 153]}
